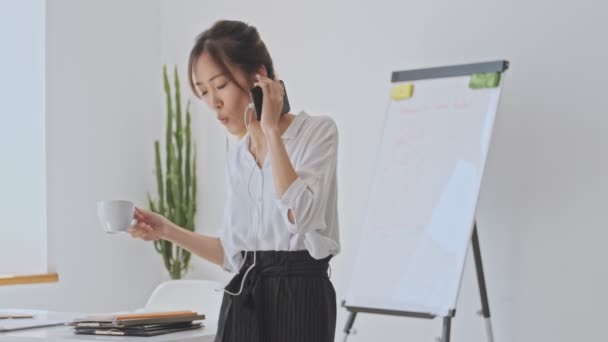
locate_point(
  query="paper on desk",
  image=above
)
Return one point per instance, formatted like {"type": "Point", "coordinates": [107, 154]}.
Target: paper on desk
{"type": "Point", "coordinates": [14, 315]}
{"type": "Point", "coordinates": [22, 324]}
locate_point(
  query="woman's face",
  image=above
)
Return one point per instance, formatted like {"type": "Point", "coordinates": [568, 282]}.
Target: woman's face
{"type": "Point", "coordinates": [221, 94]}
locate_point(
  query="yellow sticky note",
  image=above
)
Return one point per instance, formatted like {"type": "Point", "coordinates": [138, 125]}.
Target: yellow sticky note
{"type": "Point", "coordinates": [402, 91]}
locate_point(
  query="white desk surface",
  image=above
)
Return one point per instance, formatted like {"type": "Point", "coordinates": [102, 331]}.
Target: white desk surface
{"type": "Point", "coordinates": [65, 333]}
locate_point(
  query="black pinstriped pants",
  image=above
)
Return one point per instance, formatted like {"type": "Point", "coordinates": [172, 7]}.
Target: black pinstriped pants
{"type": "Point", "coordinates": [286, 297]}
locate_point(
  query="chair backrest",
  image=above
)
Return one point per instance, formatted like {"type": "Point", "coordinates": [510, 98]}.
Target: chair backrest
{"type": "Point", "coordinates": [197, 295]}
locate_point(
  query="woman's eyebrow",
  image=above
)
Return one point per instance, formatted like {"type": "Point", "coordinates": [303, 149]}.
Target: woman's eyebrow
{"type": "Point", "coordinates": [211, 79]}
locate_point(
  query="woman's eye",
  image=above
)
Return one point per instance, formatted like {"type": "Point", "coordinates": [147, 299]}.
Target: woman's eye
{"type": "Point", "coordinates": [222, 86]}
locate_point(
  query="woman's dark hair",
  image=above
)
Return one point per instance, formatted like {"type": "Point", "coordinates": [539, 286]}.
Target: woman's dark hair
{"type": "Point", "coordinates": [231, 42]}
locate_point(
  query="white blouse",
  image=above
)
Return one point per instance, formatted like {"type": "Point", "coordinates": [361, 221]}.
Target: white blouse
{"type": "Point", "coordinates": [255, 220]}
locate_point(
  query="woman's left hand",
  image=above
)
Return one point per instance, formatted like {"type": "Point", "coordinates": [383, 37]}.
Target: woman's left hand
{"type": "Point", "coordinates": [272, 103]}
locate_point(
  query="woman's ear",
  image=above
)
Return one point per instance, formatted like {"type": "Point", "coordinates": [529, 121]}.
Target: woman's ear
{"type": "Point", "coordinates": [262, 71]}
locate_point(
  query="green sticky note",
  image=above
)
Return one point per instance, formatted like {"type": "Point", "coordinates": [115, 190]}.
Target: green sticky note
{"type": "Point", "coordinates": [484, 80]}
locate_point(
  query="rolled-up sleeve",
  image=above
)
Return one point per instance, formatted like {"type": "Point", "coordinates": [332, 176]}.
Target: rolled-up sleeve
{"type": "Point", "coordinates": [307, 196]}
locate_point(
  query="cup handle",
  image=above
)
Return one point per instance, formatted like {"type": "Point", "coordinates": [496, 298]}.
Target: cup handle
{"type": "Point", "coordinates": [133, 220]}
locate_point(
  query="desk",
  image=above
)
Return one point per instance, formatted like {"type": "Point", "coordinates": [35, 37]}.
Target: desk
{"type": "Point", "coordinates": [65, 333]}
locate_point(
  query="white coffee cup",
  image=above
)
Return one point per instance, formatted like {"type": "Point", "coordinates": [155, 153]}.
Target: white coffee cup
{"type": "Point", "coordinates": [116, 216]}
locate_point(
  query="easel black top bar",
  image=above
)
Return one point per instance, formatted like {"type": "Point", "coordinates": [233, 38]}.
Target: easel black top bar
{"type": "Point", "coordinates": [449, 71]}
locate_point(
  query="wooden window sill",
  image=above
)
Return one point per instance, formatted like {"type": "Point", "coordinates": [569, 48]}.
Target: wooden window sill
{"type": "Point", "coordinates": [28, 279]}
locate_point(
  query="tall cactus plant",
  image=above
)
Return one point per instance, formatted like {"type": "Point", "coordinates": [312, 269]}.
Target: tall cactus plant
{"type": "Point", "coordinates": [177, 184]}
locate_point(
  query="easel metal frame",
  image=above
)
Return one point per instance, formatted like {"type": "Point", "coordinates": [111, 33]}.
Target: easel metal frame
{"type": "Point", "coordinates": [430, 73]}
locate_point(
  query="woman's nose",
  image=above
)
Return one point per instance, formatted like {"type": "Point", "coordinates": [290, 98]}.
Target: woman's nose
{"type": "Point", "coordinates": [216, 102]}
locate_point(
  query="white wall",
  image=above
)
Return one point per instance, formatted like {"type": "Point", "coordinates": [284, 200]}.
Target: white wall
{"type": "Point", "coordinates": [104, 109]}
{"type": "Point", "coordinates": [540, 212]}
{"type": "Point", "coordinates": [22, 137]}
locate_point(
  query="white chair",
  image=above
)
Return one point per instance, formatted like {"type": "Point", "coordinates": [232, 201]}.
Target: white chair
{"type": "Point", "coordinates": [196, 295]}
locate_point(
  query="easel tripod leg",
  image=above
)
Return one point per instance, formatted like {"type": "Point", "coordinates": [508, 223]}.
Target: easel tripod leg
{"type": "Point", "coordinates": [447, 327]}
{"type": "Point", "coordinates": [485, 306]}
{"type": "Point", "coordinates": [349, 324]}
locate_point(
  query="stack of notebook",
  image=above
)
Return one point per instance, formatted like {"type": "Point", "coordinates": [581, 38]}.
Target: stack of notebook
{"type": "Point", "coordinates": [139, 324]}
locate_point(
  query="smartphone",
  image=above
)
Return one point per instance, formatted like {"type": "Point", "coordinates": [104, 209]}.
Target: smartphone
{"type": "Point", "coordinates": [256, 96]}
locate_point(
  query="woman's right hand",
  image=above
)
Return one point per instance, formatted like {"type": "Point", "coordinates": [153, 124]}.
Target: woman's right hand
{"type": "Point", "coordinates": [150, 226]}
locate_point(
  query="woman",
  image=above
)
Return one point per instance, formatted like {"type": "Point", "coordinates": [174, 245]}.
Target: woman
{"type": "Point", "coordinates": [280, 223]}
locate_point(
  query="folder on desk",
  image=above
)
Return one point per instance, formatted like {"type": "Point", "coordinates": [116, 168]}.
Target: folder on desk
{"type": "Point", "coordinates": [138, 315]}
{"type": "Point", "coordinates": [150, 330]}
{"type": "Point", "coordinates": [126, 320]}
{"type": "Point", "coordinates": [138, 324]}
